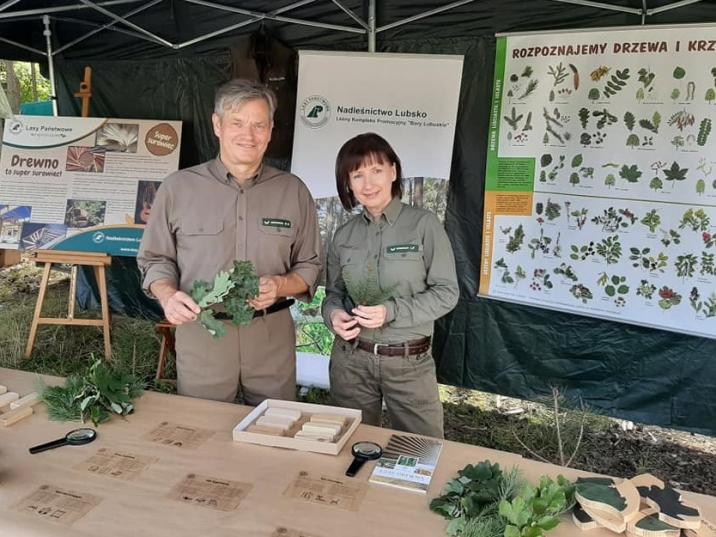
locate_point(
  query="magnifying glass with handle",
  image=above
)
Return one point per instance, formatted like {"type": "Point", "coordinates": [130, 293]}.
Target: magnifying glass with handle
{"type": "Point", "coordinates": [362, 452]}
{"type": "Point", "coordinates": [76, 437]}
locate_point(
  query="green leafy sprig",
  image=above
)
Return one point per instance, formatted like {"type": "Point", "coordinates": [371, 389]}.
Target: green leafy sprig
{"type": "Point", "coordinates": [536, 510]}
{"type": "Point", "coordinates": [98, 394]}
{"type": "Point", "coordinates": [231, 289]}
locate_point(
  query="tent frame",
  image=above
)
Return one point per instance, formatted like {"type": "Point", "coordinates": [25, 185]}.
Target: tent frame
{"type": "Point", "coordinates": [367, 27]}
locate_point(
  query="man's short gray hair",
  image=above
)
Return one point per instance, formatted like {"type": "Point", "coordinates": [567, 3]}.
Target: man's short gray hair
{"type": "Point", "coordinates": [236, 92]}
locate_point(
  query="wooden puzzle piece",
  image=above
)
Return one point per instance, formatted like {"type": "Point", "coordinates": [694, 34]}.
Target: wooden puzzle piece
{"type": "Point", "coordinates": [605, 519]}
{"type": "Point", "coordinates": [605, 496]}
{"type": "Point", "coordinates": [649, 525]}
{"type": "Point", "coordinates": [671, 508]}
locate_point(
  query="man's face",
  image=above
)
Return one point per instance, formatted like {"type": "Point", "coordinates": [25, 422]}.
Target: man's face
{"type": "Point", "coordinates": [244, 133]}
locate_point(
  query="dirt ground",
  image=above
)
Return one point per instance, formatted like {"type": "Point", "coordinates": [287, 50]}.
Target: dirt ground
{"type": "Point", "coordinates": [608, 446]}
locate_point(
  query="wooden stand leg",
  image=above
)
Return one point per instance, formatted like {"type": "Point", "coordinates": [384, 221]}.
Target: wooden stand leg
{"type": "Point", "coordinates": [102, 285]}
{"type": "Point", "coordinates": [38, 310]}
{"type": "Point", "coordinates": [73, 293]}
{"type": "Point", "coordinates": [166, 347]}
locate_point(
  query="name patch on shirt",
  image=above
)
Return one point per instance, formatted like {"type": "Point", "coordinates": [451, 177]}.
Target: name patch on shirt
{"type": "Point", "coordinates": [276, 222]}
{"type": "Point", "coordinates": [401, 248]}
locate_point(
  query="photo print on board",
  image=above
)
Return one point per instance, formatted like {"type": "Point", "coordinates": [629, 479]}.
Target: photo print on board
{"type": "Point", "coordinates": [11, 219]}
{"type": "Point", "coordinates": [146, 192]}
{"type": "Point", "coordinates": [84, 213]}
{"type": "Point", "coordinates": [35, 235]}
{"type": "Point", "coordinates": [85, 159]}
{"type": "Point", "coordinates": [118, 137]}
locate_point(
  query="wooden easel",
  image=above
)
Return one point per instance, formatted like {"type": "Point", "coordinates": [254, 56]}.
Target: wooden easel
{"type": "Point", "coordinates": [85, 92]}
{"type": "Point", "coordinates": [99, 262]}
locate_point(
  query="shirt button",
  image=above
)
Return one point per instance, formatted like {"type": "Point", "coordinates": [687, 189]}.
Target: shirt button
{"type": "Point", "coordinates": [375, 256]}
{"type": "Point", "coordinates": [241, 218]}
{"type": "Point", "coordinates": [241, 190]}
{"type": "Point", "coordinates": [377, 233]}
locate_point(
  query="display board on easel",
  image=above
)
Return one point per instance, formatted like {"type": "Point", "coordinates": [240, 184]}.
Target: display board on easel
{"type": "Point", "coordinates": [82, 184]}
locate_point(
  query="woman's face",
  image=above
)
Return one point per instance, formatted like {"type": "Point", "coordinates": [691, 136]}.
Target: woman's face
{"type": "Point", "coordinates": [372, 182]}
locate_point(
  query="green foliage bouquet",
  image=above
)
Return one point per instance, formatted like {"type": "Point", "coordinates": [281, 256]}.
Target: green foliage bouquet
{"type": "Point", "coordinates": [231, 290]}
{"type": "Point", "coordinates": [96, 395]}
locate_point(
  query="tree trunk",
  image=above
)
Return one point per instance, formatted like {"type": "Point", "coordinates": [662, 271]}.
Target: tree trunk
{"type": "Point", "coordinates": [13, 87]}
{"type": "Point", "coordinates": [33, 73]}
{"type": "Point", "coordinates": [418, 192]}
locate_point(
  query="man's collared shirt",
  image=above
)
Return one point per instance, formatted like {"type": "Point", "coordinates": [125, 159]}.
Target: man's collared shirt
{"type": "Point", "coordinates": [408, 255]}
{"type": "Point", "coordinates": [202, 220]}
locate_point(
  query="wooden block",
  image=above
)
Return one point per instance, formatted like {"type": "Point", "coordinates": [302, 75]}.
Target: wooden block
{"type": "Point", "coordinates": [273, 421]}
{"type": "Point", "coordinates": [649, 525]}
{"type": "Point", "coordinates": [318, 427]}
{"type": "Point", "coordinates": [3, 389]}
{"type": "Point", "coordinates": [605, 495]}
{"type": "Point", "coordinates": [28, 400]}
{"type": "Point", "coordinates": [291, 413]}
{"type": "Point", "coordinates": [9, 258]}
{"type": "Point", "coordinates": [8, 418]}
{"type": "Point", "coordinates": [330, 418]}
{"type": "Point", "coordinates": [314, 436]}
{"type": "Point", "coordinates": [261, 429]}
{"type": "Point", "coordinates": [671, 508]}
{"type": "Point", "coordinates": [284, 421]}
{"type": "Point", "coordinates": [7, 398]}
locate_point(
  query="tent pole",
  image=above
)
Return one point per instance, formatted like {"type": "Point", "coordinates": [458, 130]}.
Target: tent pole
{"type": "Point", "coordinates": [20, 45]}
{"type": "Point", "coordinates": [106, 26]}
{"type": "Point", "coordinates": [371, 26]}
{"type": "Point", "coordinates": [643, 12]}
{"type": "Point", "coordinates": [669, 7]}
{"type": "Point", "coordinates": [424, 14]}
{"type": "Point", "coordinates": [351, 14]}
{"type": "Point", "coordinates": [50, 62]}
{"type": "Point", "coordinates": [133, 26]}
{"type": "Point", "coordinates": [8, 4]}
{"type": "Point", "coordinates": [259, 16]}
{"type": "Point", "coordinates": [602, 5]}
{"type": "Point", "coordinates": [60, 9]}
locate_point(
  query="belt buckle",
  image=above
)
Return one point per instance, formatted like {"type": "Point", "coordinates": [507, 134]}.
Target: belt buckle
{"type": "Point", "coordinates": [377, 345]}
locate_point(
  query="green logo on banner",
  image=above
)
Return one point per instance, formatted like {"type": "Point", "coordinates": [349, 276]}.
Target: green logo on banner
{"type": "Point", "coordinates": [276, 222]}
{"type": "Point", "coordinates": [400, 248]}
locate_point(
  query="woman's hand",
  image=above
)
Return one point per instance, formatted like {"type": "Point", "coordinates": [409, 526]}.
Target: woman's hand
{"type": "Point", "coordinates": [344, 325]}
{"type": "Point", "coordinates": [371, 316]}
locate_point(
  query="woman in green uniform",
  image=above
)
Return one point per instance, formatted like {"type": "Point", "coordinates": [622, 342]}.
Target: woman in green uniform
{"type": "Point", "coordinates": [390, 272]}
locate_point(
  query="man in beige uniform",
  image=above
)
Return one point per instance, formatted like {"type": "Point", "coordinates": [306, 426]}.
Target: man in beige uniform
{"type": "Point", "coordinates": [234, 208]}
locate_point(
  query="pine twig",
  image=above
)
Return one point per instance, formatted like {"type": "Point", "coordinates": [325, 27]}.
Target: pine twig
{"type": "Point", "coordinates": [581, 433]}
{"type": "Point", "coordinates": [555, 398]}
{"type": "Point", "coordinates": [536, 455]}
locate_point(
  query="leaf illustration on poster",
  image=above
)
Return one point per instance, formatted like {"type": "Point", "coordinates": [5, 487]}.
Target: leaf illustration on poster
{"type": "Point", "coordinates": [615, 199]}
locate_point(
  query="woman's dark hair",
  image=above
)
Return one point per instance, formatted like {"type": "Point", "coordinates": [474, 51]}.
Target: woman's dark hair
{"type": "Point", "coordinates": [368, 147]}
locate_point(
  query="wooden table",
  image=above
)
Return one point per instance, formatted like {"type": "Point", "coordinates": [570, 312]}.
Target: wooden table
{"type": "Point", "coordinates": [141, 507]}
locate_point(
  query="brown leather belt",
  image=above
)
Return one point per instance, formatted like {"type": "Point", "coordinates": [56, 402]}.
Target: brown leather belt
{"type": "Point", "coordinates": [273, 308]}
{"type": "Point", "coordinates": [408, 348]}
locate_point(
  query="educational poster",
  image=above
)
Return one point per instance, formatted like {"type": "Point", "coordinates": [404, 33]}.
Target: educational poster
{"type": "Point", "coordinates": [601, 176]}
{"type": "Point", "coordinates": [414, 107]}
{"type": "Point", "coordinates": [82, 184]}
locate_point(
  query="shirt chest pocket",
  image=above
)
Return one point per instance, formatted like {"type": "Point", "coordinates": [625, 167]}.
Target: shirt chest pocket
{"type": "Point", "coordinates": [201, 228]}
{"type": "Point", "coordinates": [353, 261]}
{"type": "Point", "coordinates": [276, 227]}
